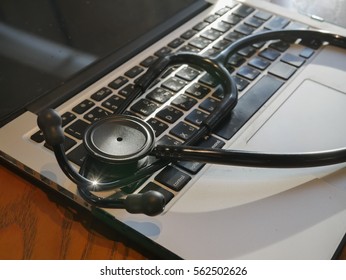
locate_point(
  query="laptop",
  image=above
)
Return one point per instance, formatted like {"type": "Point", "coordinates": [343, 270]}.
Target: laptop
{"type": "Point", "coordinates": [82, 57]}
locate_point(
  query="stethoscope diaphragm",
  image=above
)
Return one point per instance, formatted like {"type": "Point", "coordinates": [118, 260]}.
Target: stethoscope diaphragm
{"type": "Point", "coordinates": [119, 139]}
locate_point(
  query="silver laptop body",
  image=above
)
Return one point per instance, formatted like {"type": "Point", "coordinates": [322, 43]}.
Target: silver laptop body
{"type": "Point", "coordinates": [226, 212]}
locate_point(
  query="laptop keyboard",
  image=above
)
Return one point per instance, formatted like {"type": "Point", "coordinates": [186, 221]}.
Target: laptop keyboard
{"type": "Point", "coordinates": [177, 104]}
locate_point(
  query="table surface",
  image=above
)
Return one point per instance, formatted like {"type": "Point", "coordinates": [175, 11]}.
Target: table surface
{"type": "Point", "coordinates": [37, 223]}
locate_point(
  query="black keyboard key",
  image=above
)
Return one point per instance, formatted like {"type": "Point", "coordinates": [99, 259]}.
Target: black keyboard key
{"type": "Point", "coordinates": [113, 103]}
{"type": "Point", "coordinates": [211, 18]}
{"type": "Point", "coordinates": [154, 187]}
{"type": "Point", "coordinates": [37, 137]}
{"type": "Point", "coordinates": [167, 140]}
{"type": "Point", "coordinates": [173, 178]}
{"type": "Point", "coordinates": [77, 129]}
{"type": "Point", "coordinates": [176, 43]}
{"type": "Point", "coordinates": [188, 34]}
{"type": "Point", "coordinates": [196, 117]}
{"type": "Point", "coordinates": [160, 95]}
{"type": "Point", "coordinates": [248, 105]}
{"type": "Point", "coordinates": [168, 72]}
{"type": "Point", "coordinates": [200, 43]}
{"type": "Point", "coordinates": [259, 63]}
{"type": "Point", "coordinates": [241, 83]}
{"type": "Point", "coordinates": [306, 52]}
{"type": "Point", "coordinates": [233, 36]}
{"type": "Point", "coordinates": [96, 114]}
{"type": "Point", "coordinates": [183, 131]}
{"type": "Point", "coordinates": [236, 60]}
{"type": "Point", "coordinates": [211, 52]}
{"type": "Point", "coordinates": [219, 94]}
{"type": "Point", "coordinates": [223, 11]}
{"type": "Point", "coordinates": [248, 72]}
{"type": "Point", "coordinates": [66, 118]}
{"type": "Point", "coordinates": [158, 126]}
{"type": "Point", "coordinates": [148, 61]}
{"type": "Point", "coordinates": [169, 114]}
{"type": "Point", "coordinates": [77, 155]}
{"type": "Point", "coordinates": [197, 90]}
{"type": "Point", "coordinates": [222, 44]}
{"type": "Point", "coordinates": [118, 82]}
{"type": "Point", "coordinates": [174, 84]}
{"type": "Point", "coordinates": [126, 90]}
{"type": "Point", "coordinates": [232, 19]}
{"type": "Point", "coordinates": [184, 102]}
{"type": "Point", "coordinates": [187, 73]}
{"type": "Point", "coordinates": [101, 94]}
{"type": "Point", "coordinates": [194, 167]}
{"type": "Point", "coordinates": [258, 45]}
{"type": "Point", "coordinates": [83, 106]}
{"type": "Point", "coordinates": [134, 71]}
{"type": "Point", "coordinates": [209, 104]}
{"type": "Point", "coordinates": [244, 29]}
{"type": "Point", "coordinates": [68, 143]}
{"type": "Point", "coordinates": [222, 26]}
{"type": "Point", "coordinates": [144, 107]}
{"type": "Point", "coordinates": [188, 48]}
{"type": "Point", "coordinates": [243, 10]}
{"type": "Point", "coordinates": [247, 51]}
{"type": "Point", "coordinates": [263, 15]}
{"type": "Point", "coordinates": [200, 26]}
{"type": "Point", "coordinates": [208, 80]}
{"type": "Point", "coordinates": [280, 46]}
{"type": "Point", "coordinates": [270, 54]}
{"type": "Point", "coordinates": [282, 70]}
{"type": "Point", "coordinates": [277, 22]}
{"type": "Point", "coordinates": [163, 51]}
{"type": "Point", "coordinates": [254, 22]}
{"type": "Point", "coordinates": [211, 34]}
{"type": "Point", "coordinates": [230, 68]}
{"type": "Point", "coordinates": [211, 142]}
{"type": "Point", "coordinates": [292, 59]}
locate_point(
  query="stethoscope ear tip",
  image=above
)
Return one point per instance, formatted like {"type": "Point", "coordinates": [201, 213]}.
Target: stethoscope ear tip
{"type": "Point", "coordinates": [150, 203]}
{"type": "Point", "coordinates": [49, 122]}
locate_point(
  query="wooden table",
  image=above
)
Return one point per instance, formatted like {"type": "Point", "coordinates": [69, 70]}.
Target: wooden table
{"type": "Point", "coordinates": [37, 223]}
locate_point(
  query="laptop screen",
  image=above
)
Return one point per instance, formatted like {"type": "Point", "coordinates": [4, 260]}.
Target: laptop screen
{"type": "Point", "coordinates": [45, 43]}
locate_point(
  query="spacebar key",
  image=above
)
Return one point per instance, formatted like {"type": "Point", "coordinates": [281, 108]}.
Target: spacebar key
{"type": "Point", "coordinates": [248, 105]}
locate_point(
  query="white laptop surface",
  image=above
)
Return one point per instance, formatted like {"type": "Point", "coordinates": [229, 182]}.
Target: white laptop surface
{"type": "Point", "coordinates": [223, 212]}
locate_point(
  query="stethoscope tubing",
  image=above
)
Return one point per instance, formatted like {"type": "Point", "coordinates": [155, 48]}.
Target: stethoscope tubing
{"type": "Point", "coordinates": [251, 159]}
{"type": "Point", "coordinates": [214, 66]}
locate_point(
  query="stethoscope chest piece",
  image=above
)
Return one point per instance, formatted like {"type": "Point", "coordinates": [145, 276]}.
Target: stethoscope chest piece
{"type": "Point", "coordinates": [119, 139]}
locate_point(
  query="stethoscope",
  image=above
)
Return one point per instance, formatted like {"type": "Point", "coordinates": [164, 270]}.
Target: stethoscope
{"type": "Point", "coordinates": [121, 148]}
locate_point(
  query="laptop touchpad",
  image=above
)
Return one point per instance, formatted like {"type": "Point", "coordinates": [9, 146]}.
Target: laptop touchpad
{"type": "Point", "coordinates": [311, 119]}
